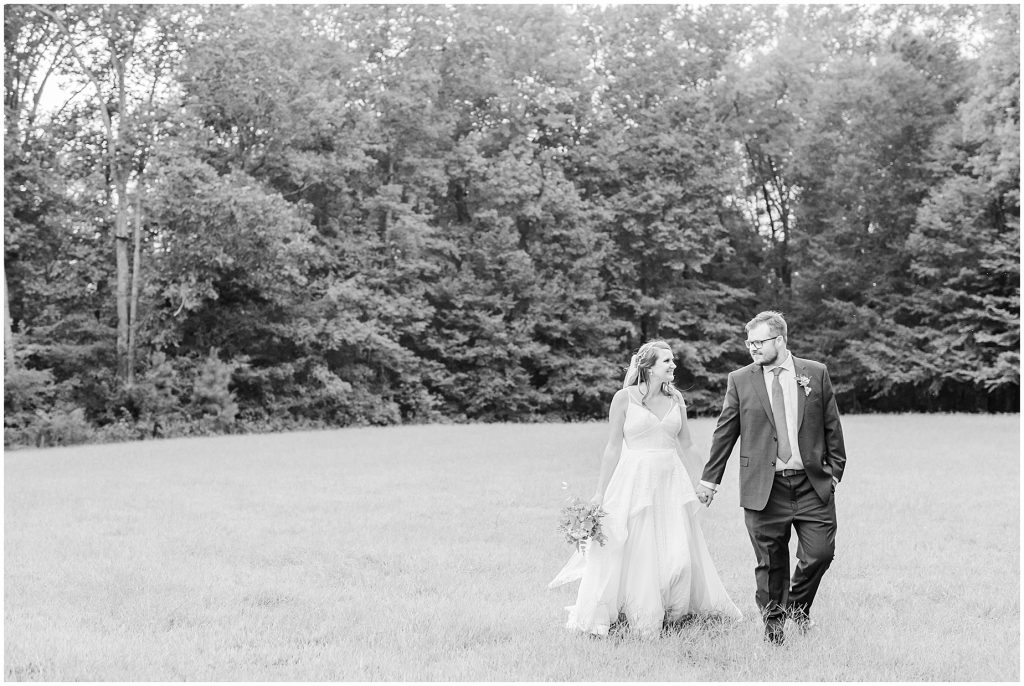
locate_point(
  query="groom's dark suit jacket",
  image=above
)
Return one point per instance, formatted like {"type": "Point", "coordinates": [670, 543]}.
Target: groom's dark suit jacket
{"type": "Point", "coordinates": [747, 416]}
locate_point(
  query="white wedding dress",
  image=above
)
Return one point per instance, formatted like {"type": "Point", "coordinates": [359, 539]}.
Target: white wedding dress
{"type": "Point", "coordinates": [655, 565]}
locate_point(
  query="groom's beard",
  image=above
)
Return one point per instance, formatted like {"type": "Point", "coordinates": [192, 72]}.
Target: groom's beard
{"type": "Point", "coordinates": [766, 360]}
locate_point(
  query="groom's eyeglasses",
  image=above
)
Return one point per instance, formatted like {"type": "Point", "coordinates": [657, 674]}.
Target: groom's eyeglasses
{"type": "Point", "coordinates": [757, 345]}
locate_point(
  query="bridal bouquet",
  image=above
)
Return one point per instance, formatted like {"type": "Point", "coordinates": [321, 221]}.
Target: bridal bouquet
{"type": "Point", "coordinates": [581, 523]}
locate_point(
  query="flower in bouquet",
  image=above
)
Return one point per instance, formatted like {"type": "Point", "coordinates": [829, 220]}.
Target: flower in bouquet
{"type": "Point", "coordinates": [581, 522]}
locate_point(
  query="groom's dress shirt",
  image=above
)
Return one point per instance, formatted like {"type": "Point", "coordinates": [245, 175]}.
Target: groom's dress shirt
{"type": "Point", "coordinates": [787, 379]}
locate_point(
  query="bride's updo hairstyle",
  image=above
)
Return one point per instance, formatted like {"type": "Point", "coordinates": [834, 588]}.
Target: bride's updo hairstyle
{"type": "Point", "coordinates": [639, 371]}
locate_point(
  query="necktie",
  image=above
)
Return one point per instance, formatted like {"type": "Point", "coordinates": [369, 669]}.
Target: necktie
{"type": "Point", "coordinates": [779, 412]}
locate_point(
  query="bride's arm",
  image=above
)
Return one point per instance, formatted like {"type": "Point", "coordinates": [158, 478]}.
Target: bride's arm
{"type": "Point", "coordinates": [613, 448]}
{"type": "Point", "coordinates": [686, 449]}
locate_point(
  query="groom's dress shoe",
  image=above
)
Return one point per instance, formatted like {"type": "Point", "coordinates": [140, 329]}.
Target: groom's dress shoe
{"type": "Point", "coordinates": [805, 624]}
{"type": "Point", "coordinates": [774, 634]}
{"type": "Point", "coordinates": [799, 615]}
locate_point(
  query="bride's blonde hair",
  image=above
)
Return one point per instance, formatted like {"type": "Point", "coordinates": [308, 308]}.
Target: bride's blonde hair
{"type": "Point", "coordinates": [639, 370]}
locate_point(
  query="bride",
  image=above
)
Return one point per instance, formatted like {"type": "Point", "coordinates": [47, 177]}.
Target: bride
{"type": "Point", "coordinates": [654, 567]}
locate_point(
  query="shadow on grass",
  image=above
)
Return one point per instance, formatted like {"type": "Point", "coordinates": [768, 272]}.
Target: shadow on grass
{"type": "Point", "coordinates": [713, 624]}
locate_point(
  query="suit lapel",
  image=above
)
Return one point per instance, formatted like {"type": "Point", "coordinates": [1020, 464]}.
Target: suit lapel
{"type": "Point", "coordinates": [762, 392]}
{"type": "Point", "coordinates": [801, 394]}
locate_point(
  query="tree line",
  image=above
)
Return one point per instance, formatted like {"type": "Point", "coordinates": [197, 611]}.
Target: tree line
{"type": "Point", "coordinates": [253, 218]}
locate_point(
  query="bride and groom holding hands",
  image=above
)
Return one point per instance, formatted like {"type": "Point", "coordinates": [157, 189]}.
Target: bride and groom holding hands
{"type": "Point", "coordinates": [654, 567]}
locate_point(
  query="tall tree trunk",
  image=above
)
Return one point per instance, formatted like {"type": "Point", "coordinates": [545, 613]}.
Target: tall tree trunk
{"type": "Point", "coordinates": [10, 364]}
{"type": "Point", "coordinates": [785, 270]}
{"type": "Point", "coordinates": [133, 314]}
{"type": "Point", "coordinates": [121, 255]}
{"type": "Point", "coordinates": [116, 175]}
{"type": "Point", "coordinates": [121, 237]}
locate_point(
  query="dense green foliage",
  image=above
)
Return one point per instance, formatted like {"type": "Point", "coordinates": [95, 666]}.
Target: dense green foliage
{"type": "Point", "coordinates": [225, 218]}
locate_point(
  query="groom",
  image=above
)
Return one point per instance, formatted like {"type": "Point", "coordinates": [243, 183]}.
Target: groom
{"type": "Point", "coordinates": [783, 411]}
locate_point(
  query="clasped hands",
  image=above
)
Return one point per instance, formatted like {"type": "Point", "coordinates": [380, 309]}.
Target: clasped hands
{"type": "Point", "coordinates": [705, 494]}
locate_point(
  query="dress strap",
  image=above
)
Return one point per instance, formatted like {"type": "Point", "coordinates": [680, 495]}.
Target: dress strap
{"type": "Point", "coordinates": [636, 401]}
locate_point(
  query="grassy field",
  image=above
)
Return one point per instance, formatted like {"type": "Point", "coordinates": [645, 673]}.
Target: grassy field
{"type": "Point", "coordinates": [423, 553]}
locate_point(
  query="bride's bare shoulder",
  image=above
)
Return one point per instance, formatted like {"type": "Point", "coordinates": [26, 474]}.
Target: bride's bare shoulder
{"type": "Point", "coordinates": [622, 395]}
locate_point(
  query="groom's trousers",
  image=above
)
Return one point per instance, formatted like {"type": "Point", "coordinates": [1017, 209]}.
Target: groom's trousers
{"type": "Point", "coordinates": [792, 504]}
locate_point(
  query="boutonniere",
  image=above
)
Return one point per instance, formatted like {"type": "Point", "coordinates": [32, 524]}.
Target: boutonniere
{"type": "Point", "coordinates": [805, 383]}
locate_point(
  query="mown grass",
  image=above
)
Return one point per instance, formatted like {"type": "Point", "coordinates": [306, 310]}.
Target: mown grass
{"type": "Point", "coordinates": [422, 553]}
